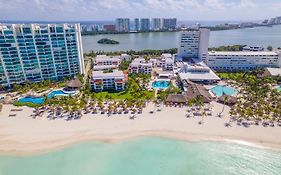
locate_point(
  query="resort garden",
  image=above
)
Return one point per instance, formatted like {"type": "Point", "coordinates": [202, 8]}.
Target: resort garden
{"type": "Point", "coordinates": [135, 90]}
{"type": "Point", "coordinates": [259, 101]}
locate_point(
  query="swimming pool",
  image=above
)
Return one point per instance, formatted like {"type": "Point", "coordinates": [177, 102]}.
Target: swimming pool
{"type": "Point", "coordinates": [58, 93]}
{"type": "Point", "coordinates": [220, 90]}
{"type": "Point", "coordinates": [34, 100]}
{"type": "Point", "coordinates": [160, 84]}
{"type": "Point", "coordinates": [279, 88]}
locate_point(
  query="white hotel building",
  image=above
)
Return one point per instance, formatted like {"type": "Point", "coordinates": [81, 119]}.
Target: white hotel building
{"type": "Point", "coordinates": [103, 62]}
{"type": "Point", "coordinates": [166, 62]}
{"type": "Point", "coordinates": [194, 44]}
{"type": "Point", "coordinates": [242, 61]}
{"type": "Point", "coordinates": [114, 81]}
{"type": "Point", "coordinates": [139, 65]}
{"type": "Point", "coordinates": [193, 52]}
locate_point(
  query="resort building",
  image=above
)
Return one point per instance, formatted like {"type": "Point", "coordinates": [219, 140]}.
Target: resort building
{"type": "Point", "coordinates": [125, 57]}
{"type": "Point", "coordinates": [122, 25]}
{"type": "Point", "coordinates": [178, 99]}
{"type": "Point", "coordinates": [192, 53]}
{"type": "Point", "coordinates": [107, 60]}
{"type": "Point", "coordinates": [194, 44]}
{"type": "Point", "coordinates": [139, 65]}
{"type": "Point", "coordinates": [166, 62]}
{"type": "Point", "coordinates": [197, 72]}
{"type": "Point", "coordinates": [242, 61]}
{"type": "Point", "coordinates": [193, 90]}
{"type": "Point", "coordinates": [112, 81]}
{"type": "Point", "coordinates": [272, 72]}
{"type": "Point", "coordinates": [145, 24]}
{"type": "Point", "coordinates": [36, 52]}
{"type": "Point", "coordinates": [103, 62]}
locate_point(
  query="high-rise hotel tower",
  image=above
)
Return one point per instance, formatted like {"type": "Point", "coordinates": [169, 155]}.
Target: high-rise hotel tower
{"type": "Point", "coordinates": [194, 44]}
{"type": "Point", "coordinates": [36, 52]}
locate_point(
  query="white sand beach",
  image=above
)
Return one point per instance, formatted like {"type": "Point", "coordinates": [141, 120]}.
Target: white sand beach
{"type": "Point", "coordinates": [21, 135]}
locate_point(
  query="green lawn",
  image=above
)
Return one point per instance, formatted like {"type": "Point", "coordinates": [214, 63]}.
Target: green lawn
{"type": "Point", "coordinates": [124, 95]}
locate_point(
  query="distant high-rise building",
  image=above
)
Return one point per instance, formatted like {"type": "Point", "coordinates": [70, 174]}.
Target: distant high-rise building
{"type": "Point", "coordinates": [137, 24]}
{"type": "Point", "coordinates": [109, 28]}
{"type": "Point", "coordinates": [122, 24]}
{"type": "Point", "coordinates": [156, 24]}
{"type": "Point", "coordinates": [145, 24]}
{"type": "Point", "coordinates": [169, 23]}
{"type": "Point", "coordinates": [36, 52]}
{"type": "Point", "coordinates": [278, 20]}
{"type": "Point", "coordinates": [194, 44]}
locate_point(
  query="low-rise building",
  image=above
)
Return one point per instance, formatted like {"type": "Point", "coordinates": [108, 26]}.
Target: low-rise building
{"type": "Point", "coordinates": [140, 65]}
{"type": "Point", "coordinates": [166, 62]}
{"type": "Point", "coordinates": [196, 72]}
{"type": "Point", "coordinates": [104, 67]}
{"type": "Point", "coordinates": [253, 48]}
{"type": "Point", "coordinates": [112, 81]}
{"type": "Point", "coordinates": [193, 90]}
{"type": "Point", "coordinates": [272, 72]}
{"type": "Point", "coordinates": [107, 60]}
{"type": "Point", "coordinates": [242, 61]}
{"type": "Point", "coordinates": [125, 57]}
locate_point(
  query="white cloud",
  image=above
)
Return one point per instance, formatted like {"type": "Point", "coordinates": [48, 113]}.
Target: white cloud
{"type": "Point", "coordinates": [110, 9]}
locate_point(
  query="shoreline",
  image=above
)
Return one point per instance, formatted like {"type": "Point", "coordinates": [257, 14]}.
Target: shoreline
{"type": "Point", "coordinates": [24, 136]}
{"type": "Point", "coordinates": [124, 137]}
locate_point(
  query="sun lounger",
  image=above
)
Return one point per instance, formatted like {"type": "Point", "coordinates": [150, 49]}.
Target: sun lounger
{"type": "Point", "coordinates": [15, 110]}
{"type": "Point", "coordinates": [12, 115]}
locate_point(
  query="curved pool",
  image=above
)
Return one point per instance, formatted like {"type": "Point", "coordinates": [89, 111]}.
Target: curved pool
{"type": "Point", "coordinates": [34, 100]}
{"type": "Point", "coordinates": [220, 90]}
{"type": "Point", "coordinates": [161, 84]}
{"type": "Point", "coordinates": [58, 93]}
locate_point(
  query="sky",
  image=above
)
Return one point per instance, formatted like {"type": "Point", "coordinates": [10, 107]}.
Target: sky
{"type": "Point", "coordinates": [93, 10]}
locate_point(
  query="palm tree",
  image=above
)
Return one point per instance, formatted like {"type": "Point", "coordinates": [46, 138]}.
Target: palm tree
{"type": "Point", "coordinates": [225, 99]}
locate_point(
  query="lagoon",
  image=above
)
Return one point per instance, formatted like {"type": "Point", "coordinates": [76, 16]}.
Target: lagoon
{"type": "Point", "coordinates": [263, 36]}
{"type": "Point", "coordinates": [148, 155]}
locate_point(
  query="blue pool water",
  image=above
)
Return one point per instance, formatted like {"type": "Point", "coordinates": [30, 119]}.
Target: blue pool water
{"type": "Point", "coordinates": [279, 88]}
{"type": "Point", "coordinates": [34, 100]}
{"type": "Point", "coordinates": [40, 100]}
{"type": "Point", "coordinates": [220, 90]}
{"type": "Point", "coordinates": [160, 84]}
{"type": "Point", "coordinates": [57, 93]}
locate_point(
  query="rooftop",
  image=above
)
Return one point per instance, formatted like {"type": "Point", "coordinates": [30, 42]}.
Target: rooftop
{"type": "Point", "coordinates": [199, 76]}
{"type": "Point", "coordinates": [140, 61]}
{"type": "Point", "coordinates": [103, 67]}
{"type": "Point", "coordinates": [101, 58]}
{"type": "Point", "coordinates": [176, 98]}
{"type": "Point", "coordinates": [194, 90]}
{"type": "Point", "coordinates": [274, 71]}
{"type": "Point", "coordinates": [101, 74]}
{"type": "Point", "coordinates": [167, 55]}
{"type": "Point", "coordinates": [74, 83]}
{"type": "Point", "coordinates": [243, 53]}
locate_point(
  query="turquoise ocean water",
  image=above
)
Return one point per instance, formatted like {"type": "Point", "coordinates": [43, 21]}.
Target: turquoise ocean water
{"type": "Point", "coordinates": [147, 156]}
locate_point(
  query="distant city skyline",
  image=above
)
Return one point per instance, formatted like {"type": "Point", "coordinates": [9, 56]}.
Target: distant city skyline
{"type": "Point", "coordinates": [96, 10]}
